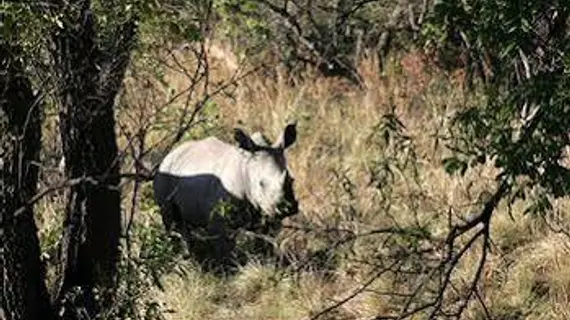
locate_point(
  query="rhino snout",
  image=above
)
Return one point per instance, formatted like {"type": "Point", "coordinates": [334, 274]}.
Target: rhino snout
{"type": "Point", "coordinates": [287, 208]}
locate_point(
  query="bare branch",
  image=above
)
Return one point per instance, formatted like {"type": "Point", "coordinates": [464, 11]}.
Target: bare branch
{"type": "Point", "coordinates": [356, 292]}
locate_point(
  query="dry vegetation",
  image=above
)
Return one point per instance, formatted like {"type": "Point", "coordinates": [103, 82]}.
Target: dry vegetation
{"type": "Point", "coordinates": [339, 164]}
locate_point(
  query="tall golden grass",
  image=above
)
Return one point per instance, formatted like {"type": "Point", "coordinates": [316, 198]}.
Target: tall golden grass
{"type": "Point", "coordinates": [333, 163]}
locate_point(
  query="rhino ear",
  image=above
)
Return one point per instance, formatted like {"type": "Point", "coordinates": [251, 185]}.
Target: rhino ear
{"type": "Point", "coordinates": [288, 137]}
{"type": "Point", "coordinates": [244, 140]}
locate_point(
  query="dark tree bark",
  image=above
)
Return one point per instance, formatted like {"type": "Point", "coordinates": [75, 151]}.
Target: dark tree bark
{"type": "Point", "coordinates": [23, 293]}
{"type": "Point", "coordinates": [385, 39]}
{"type": "Point", "coordinates": [89, 78]}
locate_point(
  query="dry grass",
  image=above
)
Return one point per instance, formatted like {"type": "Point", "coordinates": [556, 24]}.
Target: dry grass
{"type": "Point", "coordinates": [333, 162]}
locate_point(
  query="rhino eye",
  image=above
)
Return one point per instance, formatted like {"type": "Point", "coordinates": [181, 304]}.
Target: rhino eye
{"type": "Point", "coordinates": [262, 183]}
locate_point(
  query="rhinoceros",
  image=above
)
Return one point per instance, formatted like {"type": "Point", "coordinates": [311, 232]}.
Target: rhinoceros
{"type": "Point", "coordinates": [197, 176]}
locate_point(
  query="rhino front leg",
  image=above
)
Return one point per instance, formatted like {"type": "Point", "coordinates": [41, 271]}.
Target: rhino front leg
{"type": "Point", "coordinates": [222, 245]}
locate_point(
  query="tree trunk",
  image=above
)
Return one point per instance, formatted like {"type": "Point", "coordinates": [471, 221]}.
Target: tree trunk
{"type": "Point", "coordinates": [89, 78]}
{"type": "Point", "coordinates": [23, 294]}
{"type": "Point", "coordinates": [384, 41]}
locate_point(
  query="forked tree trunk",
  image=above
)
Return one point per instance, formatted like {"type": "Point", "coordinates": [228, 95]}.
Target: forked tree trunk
{"type": "Point", "coordinates": [23, 293]}
{"type": "Point", "coordinates": [89, 78]}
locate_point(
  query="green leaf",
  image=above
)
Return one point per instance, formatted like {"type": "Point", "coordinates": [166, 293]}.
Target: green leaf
{"type": "Point", "coordinates": [453, 165]}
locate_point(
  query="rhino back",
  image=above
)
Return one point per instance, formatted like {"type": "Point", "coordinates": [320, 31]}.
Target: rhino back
{"type": "Point", "coordinates": [195, 157]}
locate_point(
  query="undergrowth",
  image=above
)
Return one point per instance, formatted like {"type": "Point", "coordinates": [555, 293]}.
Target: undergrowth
{"type": "Point", "coordinates": [366, 160]}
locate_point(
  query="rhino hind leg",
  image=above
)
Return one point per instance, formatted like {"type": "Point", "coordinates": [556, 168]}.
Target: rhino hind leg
{"type": "Point", "coordinates": [175, 226]}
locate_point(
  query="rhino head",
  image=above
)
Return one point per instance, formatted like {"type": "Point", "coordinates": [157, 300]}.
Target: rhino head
{"type": "Point", "coordinates": [269, 182]}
